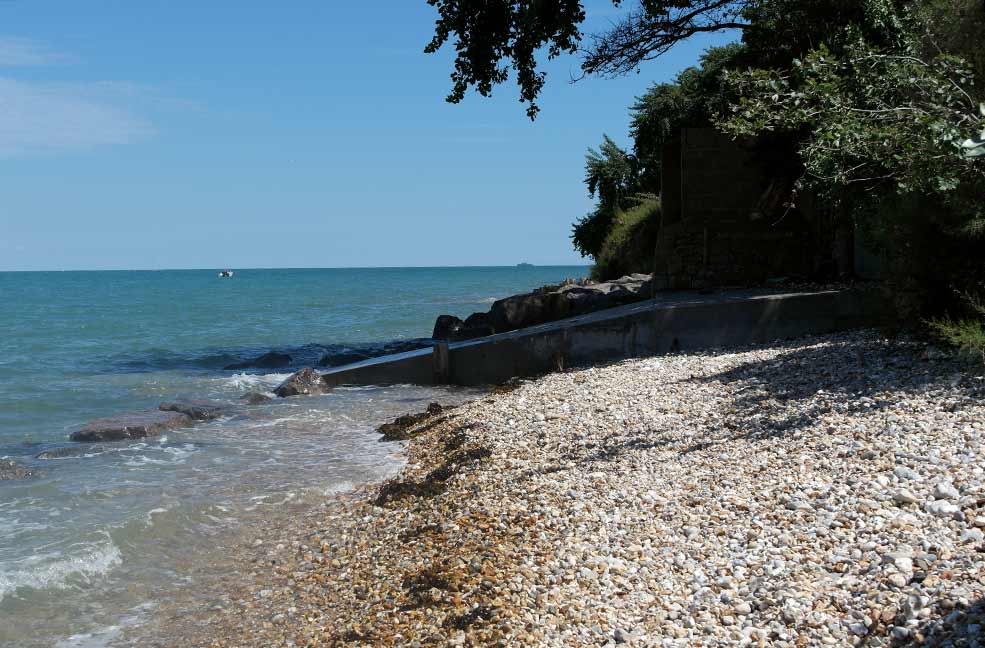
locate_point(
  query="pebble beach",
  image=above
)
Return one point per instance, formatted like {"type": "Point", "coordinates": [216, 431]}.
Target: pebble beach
{"type": "Point", "coordinates": [824, 491]}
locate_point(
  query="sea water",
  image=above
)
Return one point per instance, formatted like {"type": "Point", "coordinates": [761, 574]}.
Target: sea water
{"type": "Point", "coordinates": [91, 542]}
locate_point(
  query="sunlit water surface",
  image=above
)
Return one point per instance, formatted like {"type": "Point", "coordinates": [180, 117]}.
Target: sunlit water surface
{"type": "Point", "coordinates": [91, 543]}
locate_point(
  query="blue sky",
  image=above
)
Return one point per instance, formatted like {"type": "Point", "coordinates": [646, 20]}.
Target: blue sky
{"type": "Point", "coordinates": [162, 134]}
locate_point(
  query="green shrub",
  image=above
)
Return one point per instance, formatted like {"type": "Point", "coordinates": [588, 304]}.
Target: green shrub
{"type": "Point", "coordinates": [967, 336]}
{"type": "Point", "coordinates": [631, 241]}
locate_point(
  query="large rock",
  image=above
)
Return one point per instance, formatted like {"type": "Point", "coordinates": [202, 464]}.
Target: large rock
{"type": "Point", "coordinates": [475, 325]}
{"type": "Point", "coordinates": [272, 360]}
{"type": "Point", "coordinates": [200, 410]}
{"type": "Point", "coordinates": [69, 452]}
{"type": "Point", "coordinates": [10, 469]}
{"type": "Point", "coordinates": [255, 398]}
{"type": "Point", "coordinates": [586, 299]}
{"type": "Point", "coordinates": [305, 381]}
{"type": "Point", "coordinates": [478, 320]}
{"type": "Point", "coordinates": [133, 425]}
{"type": "Point", "coordinates": [530, 309]}
{"type": "Point", "coordinates": [594, 297]}
{"type": "Point", "coordinates": [545, 304]}
{"type": "Point", "coordinates": [445, 326]}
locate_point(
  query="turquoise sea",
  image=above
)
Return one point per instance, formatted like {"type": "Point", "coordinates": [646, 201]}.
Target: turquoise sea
{"type": "Point", "coordinates": [93, 541]}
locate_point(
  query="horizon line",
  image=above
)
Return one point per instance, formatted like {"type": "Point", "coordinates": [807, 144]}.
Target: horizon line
{"type": "Point", "coordinates": [239, 269]}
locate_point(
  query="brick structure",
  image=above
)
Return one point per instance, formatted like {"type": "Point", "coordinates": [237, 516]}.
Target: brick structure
{"type": "Point", "coordinates": [724, 221]}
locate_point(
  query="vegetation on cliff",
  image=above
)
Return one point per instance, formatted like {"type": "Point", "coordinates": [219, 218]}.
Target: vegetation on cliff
{"type": "Point", "coordinates": [869, 101]}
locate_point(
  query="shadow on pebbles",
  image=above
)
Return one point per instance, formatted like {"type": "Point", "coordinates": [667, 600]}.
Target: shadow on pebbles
{"type": "Point", "coordinates": [826, 491]}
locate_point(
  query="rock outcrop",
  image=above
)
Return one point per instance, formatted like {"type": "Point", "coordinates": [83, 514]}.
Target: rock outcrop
{"type": "Point", "coordinates": [255, 398]}
{"type": "Point", "coordinates": [546, 304]}
{"type": "Point", "coordinates": [272, 360]}
{"type": "Point", "coordinates": [521, 311]}
{"type": "Point", "coordinates": [475, 325]}
{"type": "Point", "coordinates": [307, 381]}
{"type": "Point", "coordinates": [69, 452]}
{"type": "Point", "coordinates": [200, 410]}
{"type": "Point", "coordinates": [10, 469]}
{"type": "Point", "coordinates": [400, 428]}
{"type": "Point", "coordinates": [132, 425]}
{"type": "Point", "coordinates": [445, 326]}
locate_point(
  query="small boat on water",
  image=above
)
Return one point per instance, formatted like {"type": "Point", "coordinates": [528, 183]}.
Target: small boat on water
{"type": "Point", "coordinates": [226, 273]}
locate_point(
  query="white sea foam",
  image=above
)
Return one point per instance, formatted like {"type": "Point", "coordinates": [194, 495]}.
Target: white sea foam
{"type": "Point", "coordinates": [245, 381]}
{"type": "Point", "coordinates": [96, 639]}
{"type": "Point", "coordinates": [172, 454]}
{"type": "Point", "coordinates": [107, 635]}
{"type": "Point", "coordinates": [339, 488]}
{"type": "Point", "coordinates": [91, 561]}
{"type": "Point", "coordinates": [144, 460]}
{"type": "Point", "coordinates": [180, 452]}
{"type": "Point", "coordinates": [149, 518]}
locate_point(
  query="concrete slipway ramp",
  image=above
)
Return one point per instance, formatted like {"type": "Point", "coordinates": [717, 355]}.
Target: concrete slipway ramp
{"type": "Point", "coordinates": [671, 322]}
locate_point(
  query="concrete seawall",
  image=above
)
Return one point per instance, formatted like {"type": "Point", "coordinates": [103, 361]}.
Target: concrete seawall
{"type": "Point", "coordinates": [671, 322]}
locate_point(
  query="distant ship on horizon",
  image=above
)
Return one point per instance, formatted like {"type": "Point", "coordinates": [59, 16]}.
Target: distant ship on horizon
{"type": "Point", "coordinates": [524, 265]}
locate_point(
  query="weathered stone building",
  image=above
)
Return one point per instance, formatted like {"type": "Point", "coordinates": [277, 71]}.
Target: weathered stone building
{"type": "Point", "coordinates": [727, 218]}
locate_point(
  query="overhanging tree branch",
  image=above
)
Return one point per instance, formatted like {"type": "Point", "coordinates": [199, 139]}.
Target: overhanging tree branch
{"type": "Point", "coordinates": [493, 38]}
{"type": "Point", "coordinates": [643, 36]}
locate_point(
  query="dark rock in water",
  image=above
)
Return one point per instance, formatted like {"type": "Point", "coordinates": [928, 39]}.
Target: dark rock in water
{"type": "Point", "coordinates": [200, 410]}
{"type": "Point", "coordinates": [305, 381]}
{"type": "Point", "coordinates": [255, 398]}
{"type": "Point", "coordinates": [444, 326]}
{"type": "Point", "coordinates": [272, 360]}
{"type": "Point", "coordinates": [69, 452]}
{"type": "Point", "coordinates": [594, 297]}
{"type": "Point", "coordinates": [546, 304]}
{"type": "Point", "coordinates": [478, 320]}
{"type": "Point", "coordinates": [133, 425]}
{"type": "Point", "coordinates": [342, 358]}
{"type": "Point", "coordinates": [400, 428]}
{"type": "Point", "coordinates": [520, 311]}
{"type": "Point", "coordinates": [10, 469]}
{"type": "Point", "coordinates": [583, 300]}
{"type": "Point", "coordinates": [475, 325]}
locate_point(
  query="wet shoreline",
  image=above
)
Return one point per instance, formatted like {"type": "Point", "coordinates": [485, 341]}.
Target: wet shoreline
{"type": "Point", "coordinates": [826, 491]}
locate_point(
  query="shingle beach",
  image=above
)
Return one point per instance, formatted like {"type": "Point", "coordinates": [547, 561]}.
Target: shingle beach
{"type": "Point", "coordinates": [826, 491]}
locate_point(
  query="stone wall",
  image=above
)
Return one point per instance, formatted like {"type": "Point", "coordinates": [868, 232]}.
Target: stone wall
{"type": "Point", "coordinates": [723, 220]}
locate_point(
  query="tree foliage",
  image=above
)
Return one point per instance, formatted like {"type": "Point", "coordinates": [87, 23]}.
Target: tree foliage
{"type": "Point", "coordinates": [870, 100]}
{"type": "Point", "coordinates": [697, 97]}
{"type": "Point", "coordinates": [655, 27]}
{"type": "Point", "coordinates": [611, 176]}
{"type": "Point", "coordinates": [611, 173]}
{"type": "Point", "coordinates": [879, 110]}
{"type": "Point", "coordinates": [493, 37]}
{"type": "Point", "coordinates": [873, 117]}
{"type": "Point", "coordinates": [625, 183]}
{"type": "Point", "coordinates": [629, 244]}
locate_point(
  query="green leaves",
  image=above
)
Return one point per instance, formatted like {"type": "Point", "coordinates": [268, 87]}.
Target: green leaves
{"type": "Point", "coordinates": [612, 175]}
{"type": "Point", "coordinates": [493, 39]}
{"type": "Point", "coordinates": [877, 117]}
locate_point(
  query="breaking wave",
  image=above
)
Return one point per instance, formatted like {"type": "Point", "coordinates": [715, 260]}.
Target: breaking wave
{"type": "Point", "coordinates": [91, 561]}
